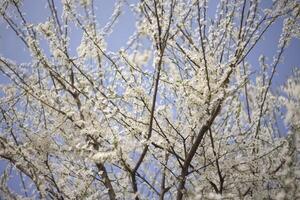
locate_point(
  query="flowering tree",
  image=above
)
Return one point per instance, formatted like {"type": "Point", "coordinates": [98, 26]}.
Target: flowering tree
{"type": "Point", "coordinates": [179, 113]}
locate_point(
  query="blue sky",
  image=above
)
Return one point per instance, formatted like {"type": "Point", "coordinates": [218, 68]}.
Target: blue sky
{"type": "Point", "coordinates": [36, 11]}
{"type": "Point", "coordinates": [13, 48]}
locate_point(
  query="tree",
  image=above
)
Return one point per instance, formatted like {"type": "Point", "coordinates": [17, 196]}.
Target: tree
{"type": "Point", "coordinates": [179, 112]}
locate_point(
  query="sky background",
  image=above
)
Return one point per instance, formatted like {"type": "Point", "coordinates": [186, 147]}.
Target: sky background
{"type": "Point", "coordinates": [11, 47]}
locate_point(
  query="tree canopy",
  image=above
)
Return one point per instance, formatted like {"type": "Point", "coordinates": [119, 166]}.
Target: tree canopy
{"type": "Point", "coordinates": [179, 112]}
